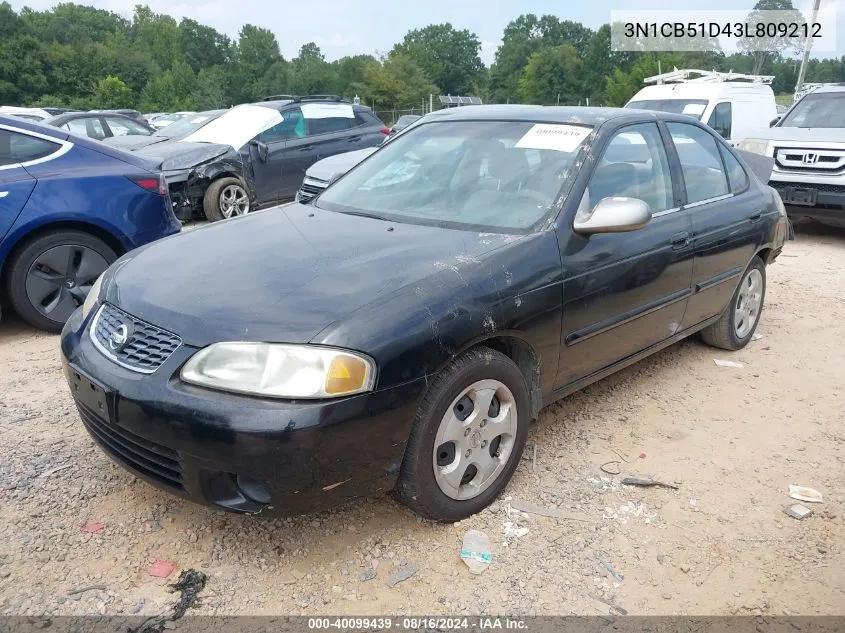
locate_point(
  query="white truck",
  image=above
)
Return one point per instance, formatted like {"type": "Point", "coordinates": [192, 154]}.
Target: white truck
{"type": "Point", "coordinates": [808, 147]}
{"type": "Point", "coordinates": [733, 104]}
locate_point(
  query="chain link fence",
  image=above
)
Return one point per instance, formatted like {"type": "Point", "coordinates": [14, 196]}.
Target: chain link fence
{"type": "Point", "coordinates": [391, 116]}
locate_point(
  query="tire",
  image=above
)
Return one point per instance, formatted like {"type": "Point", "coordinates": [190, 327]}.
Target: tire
{"type": "Point", "coordinates": [49, 277]}
{"type": "Point", "coordinates": [213, 204]}
{"type": "Point", "coordinates": [728, 332]}
{"type": "Point", "coordinates": [422, 479]}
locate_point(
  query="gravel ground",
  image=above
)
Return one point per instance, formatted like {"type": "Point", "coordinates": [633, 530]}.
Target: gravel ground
{"type": "Point", "coordinates": [731, 439]}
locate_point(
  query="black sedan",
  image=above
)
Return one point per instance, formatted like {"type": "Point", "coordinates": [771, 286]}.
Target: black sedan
{"type": "Point", "coordinates": [404, 328]}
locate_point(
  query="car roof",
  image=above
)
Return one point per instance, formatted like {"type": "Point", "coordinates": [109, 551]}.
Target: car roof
{"type": "Point", "coordinates": [546, 114]}
{"type": "Point", "coordinates": [69, 116]}
{"type": "Point", "coordinates": [30, 126]}
{"type": "Point", "coordinates": [828, 89]}
{"type": "Point", "coordinates": [285, 102]}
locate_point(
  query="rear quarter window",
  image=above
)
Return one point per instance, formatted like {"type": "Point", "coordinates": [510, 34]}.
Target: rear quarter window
{"type": "Point", "coordinates": [21, 148]}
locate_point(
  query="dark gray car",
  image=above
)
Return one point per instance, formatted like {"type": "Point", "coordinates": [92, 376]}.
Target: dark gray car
{"type": "Point", "coordinates": [255, 155]}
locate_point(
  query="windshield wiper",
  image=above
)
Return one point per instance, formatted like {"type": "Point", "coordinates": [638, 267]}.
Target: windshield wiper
{"type": "Point", "coordinates": [364, 214]}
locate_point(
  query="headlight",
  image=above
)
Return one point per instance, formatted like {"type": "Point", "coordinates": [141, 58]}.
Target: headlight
{"type": "Point", "coordinates": [93, 295]}
{"type": "Point", "coordinates": [280, 371]}
{"type": "Point", "coordinates": [755, 145]}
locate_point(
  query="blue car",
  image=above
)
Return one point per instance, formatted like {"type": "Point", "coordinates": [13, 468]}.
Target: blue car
{"type": "Point", "coordinates": [69, 207]}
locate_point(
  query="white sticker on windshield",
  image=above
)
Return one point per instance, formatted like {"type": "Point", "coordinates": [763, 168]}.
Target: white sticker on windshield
{"type": "Point", "coordinates": [555, 136]}
{"type": "Point", "coordinates": [696, 109]}
{"type": "Point", "coordinates": [237, 126]}
{"type": "Point", "coordinates": [327, 111]}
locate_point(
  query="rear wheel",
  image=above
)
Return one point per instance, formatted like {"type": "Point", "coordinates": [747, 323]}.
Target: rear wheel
{"type": "Point", "coordinates": [225, 198]}
{"type": "Point", "coordinates": [467, 438]}
{"type": "Point", "coordinates": [52, 274]}
{"type": "Point", "coordinates": [735, 328]}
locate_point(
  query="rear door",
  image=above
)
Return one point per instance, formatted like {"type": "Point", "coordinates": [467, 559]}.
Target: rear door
{"type": "Point", "coordinates": [725, 214]}
{"type": "Point", "coordinates": [18, 149]}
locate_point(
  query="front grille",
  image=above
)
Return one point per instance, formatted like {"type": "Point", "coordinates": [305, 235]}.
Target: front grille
{"type": "Point", "coordinates": [308, 190]}
{"type": "Point", "coordinates": [778, 184]}
{"type": "Point", "coordinates": [152, 460]}
{"type": "Point", "coordinates": [146, 346]}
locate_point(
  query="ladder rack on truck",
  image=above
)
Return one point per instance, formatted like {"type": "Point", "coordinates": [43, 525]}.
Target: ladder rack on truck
{"type": "Point", "coordinates": [693, 75]}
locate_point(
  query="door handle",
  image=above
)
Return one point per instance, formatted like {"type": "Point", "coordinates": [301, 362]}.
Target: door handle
{"type": "Point", "coordinates": [754, 217]}
{"type": "Point", "coordinates": [679, 240]}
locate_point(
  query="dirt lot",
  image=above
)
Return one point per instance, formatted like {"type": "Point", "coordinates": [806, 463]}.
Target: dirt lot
{"type": "Point", "coordinates": [731, 439]}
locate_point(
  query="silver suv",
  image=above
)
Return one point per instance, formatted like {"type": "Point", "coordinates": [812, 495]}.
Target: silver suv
{"type": "Point", "coordinates": [808, 146]}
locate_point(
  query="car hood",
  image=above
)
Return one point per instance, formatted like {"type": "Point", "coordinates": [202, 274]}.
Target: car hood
{"type": "Point", "coordinates": [283, 274]}
{"type": "Point", "coordinates": [339, 164]}
{"type": "Point", "coordinates": [800, 134]}
{"type": "Point", "coordinates": [171, 155]}
{"type": "Point", "coordinates": [133, 142]}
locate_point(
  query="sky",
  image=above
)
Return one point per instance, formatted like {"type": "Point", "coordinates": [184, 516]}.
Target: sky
{"type": "Point", "coordinates": [344, 27]}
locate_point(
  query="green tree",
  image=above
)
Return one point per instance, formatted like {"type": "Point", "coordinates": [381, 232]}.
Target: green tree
{"type": "Point", "coordinates": [552, 75]}
{"type": "Point", "coordinates": [398, 82]}
{"type": "Point", "coordinates": [112, 93]}
{"type": "Point", "coordinates": [173, 90]}
{"type": "Point", "coordinates": [211, 89]}
{"type": "Point", "coordinates": [311, 73]}
{"type": "Point", "coordinates": [158, 35]}
{"type": "Point", "coordinates": [763, 49]}
{"type": "Point", "coordinates": [449, 57]}
{"type": "Point", "coordinates": [202, 46]}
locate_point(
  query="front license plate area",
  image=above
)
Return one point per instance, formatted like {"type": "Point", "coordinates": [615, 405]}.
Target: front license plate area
{"type": "Point", "coordinates": [801, 196]}
{"type": "Point", "coordinates": [90, 393]}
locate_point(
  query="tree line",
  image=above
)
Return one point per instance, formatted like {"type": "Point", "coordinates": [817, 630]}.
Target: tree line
{"type": "Point", "coordinates": [81, 57]}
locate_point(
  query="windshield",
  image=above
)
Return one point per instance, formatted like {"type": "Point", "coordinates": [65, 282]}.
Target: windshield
{"type": "Point", "coordinates": [817, 109]}
{"type": "Point", "coordinates": [187, 124]}
{"type": "Point", "coordinates": [692, 107]}
{"type": "Point", "coordinates": [495, 174]}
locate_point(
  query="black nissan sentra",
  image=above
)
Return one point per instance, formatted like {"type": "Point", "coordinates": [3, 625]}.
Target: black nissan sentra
{"type": "Point", "coordinates": [404, 329]}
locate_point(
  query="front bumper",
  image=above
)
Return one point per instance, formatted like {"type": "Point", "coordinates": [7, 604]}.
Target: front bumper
{"type": "Point", "coordinates": [805, 198]}
{"type": "Point", "coordinates": [233, 452]}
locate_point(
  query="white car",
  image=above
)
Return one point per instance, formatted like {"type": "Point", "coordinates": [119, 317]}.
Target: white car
{"type": "Point", "coordinates": [163, 121]}
{"type": "Point", "coordinates": [30, 114]}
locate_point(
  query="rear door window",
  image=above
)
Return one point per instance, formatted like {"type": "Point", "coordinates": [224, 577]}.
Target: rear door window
{"type": "Point", "coordinates": [21, 148]}
{"type": "Point", "coordinates": [293, 126]}
{"type": "Point", "coordinates": [737, 178]}
{"type": "Point", "coordinates": [701, 163]}
{"type": "Point", "coordinates": [329, 124]}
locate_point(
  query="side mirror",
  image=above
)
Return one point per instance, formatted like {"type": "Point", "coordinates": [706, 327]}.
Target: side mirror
{"type": "Point", "coordinates": [263, 150]}
{"type": "Point", "coordinates": [614, 215]}
{"type": "Point", "coordinates": [774, 121]}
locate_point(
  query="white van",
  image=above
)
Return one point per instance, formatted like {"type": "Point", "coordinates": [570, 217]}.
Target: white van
{"type": "Point", "coordinates": [734, 105]}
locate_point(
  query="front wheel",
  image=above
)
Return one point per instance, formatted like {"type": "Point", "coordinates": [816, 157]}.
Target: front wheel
{"type": "Point", "coordinates": [735, 328]}
{"type": "Point", "coordinates": [51, 276]}
{"type": "Point", "coordinates": [225, 198]}
{"type": "Point", "coordinates": [467, 438]}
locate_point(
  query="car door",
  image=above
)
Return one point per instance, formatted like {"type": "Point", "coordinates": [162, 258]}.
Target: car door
{"type": "Point", "coordinates": [16, 184]}
{"type": "Point", "coordinates": [92, 127]}
{"type": "Point", "coordinates": [624, 292]}
{"type": "Point", "coordinates": [269, 172]}
{"type": "Point", "coordinates": [725, 215]}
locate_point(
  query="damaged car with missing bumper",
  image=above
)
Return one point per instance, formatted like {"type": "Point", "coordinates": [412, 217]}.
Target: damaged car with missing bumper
{"type": "Point", "coordinates": [405, 328]}
{"type": "Point", "coordinates": [255, 155]}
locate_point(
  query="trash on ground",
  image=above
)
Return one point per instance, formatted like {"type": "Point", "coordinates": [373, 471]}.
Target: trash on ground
{"type": "Point", "coordinates": [367, 574]}
{"type": "Point", "coordinates": [693, 502]}
{"type": "Point", "coordinates": [93, 527]}
{"type": "Point", "coordinates": [52, 471]}
{"type": "Point", "coordinates": [161, 569]}
{"type": "Point", "coordinates": [636, 481]}
{"type": "Point", "coordinates": [612, 468]}
{"type": "Point", "coordinates": [610, 603]}
{"type": "Point", "coordinates": [629, 510]}
{"type": "Point", "coordinates": [553, 513]}
{"type": "Point", "coordinates": [401, 575]}
{"type": "Point", "coordinates": [600, 557]}
{"type": "Point", "coordinates": [84, 589]}
{"type": "Point", "coordinates": [475, 551]}
{"type": "Point", "coordinates": [797, 511]}
{"type": "Point", "coordinates": [728, 363]}
{"type": "Point", "coordinates": [756, 337]}
{"type": "Point", "coordinates": [642, 455]}
{"type": "Point", "coordinates": [512, 530]}
{"type": "Point", "coordinates": [190, 584]}
{"type": "Point", "coordinates": [803, 493]}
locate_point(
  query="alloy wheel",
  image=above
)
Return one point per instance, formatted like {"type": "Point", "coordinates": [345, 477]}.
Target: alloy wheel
{"type": "Point", "coordinates": [233, 201]}
{"type": "Point", "coordinates": [60, 278]}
